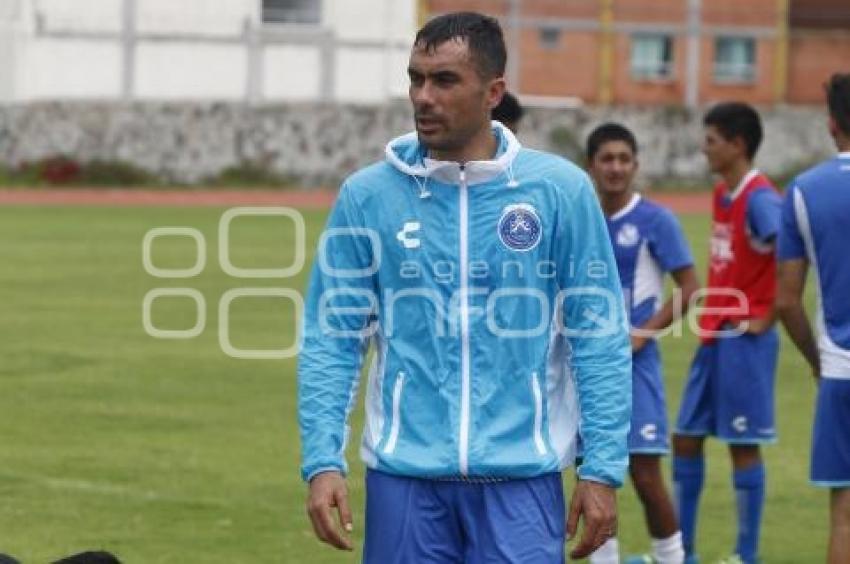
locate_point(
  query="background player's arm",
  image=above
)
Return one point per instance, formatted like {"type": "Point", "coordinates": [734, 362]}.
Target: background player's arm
{"type": "Point", "coordinates": [759, 325]}
{"type": "Point", "coordinates": [792, 311]}
{"type": "Point", "coordinates": [673, 309]}
{"type": "Point", "coordinates": [764, 217]}
{"type": "Point", "coordinates": [792, 268]}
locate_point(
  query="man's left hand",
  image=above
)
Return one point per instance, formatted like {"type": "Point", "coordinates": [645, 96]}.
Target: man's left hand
{"type": "Point", "coordinates": [638, 342]}
{"type": "Point", "coordinates": [755, 326]}
{"type": "Point", "coordinates": [597, 503]}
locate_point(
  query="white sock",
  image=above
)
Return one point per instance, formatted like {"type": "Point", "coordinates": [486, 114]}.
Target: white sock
{"type": "Point", "coordinates": [608, 553]}
{"type": "Point", "coordinates": [669, 550]}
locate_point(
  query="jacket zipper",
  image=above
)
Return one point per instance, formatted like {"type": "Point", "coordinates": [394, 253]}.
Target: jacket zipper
{"type": "Point", "coordinates": [463, 442]}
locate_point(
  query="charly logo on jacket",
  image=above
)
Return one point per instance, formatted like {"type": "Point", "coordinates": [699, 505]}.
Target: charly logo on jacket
{"type": "Point", "coordinates": [405, 235]}
{"type": "Point", "coordinates": [519, 227]}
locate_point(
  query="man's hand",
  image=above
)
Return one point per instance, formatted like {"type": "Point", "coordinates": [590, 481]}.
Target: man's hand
{"type": "Point", "coordinates": [327, 491]}
{"type": "Point", "coordinates": [755, 326]}
{"type": "Point", "coordinates": [638, 342]}
{"type": "Point", "coordinates": [598, 503]}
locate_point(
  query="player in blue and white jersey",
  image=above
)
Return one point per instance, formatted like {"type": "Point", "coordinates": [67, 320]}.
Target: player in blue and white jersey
{"type": "Point", "coordinates": [648, 244]}
{"type": "Point", "coordinates": [814, 232]}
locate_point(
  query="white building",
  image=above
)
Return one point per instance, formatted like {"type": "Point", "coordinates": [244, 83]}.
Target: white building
{"type": "Point", "coordinates": [251, 50]}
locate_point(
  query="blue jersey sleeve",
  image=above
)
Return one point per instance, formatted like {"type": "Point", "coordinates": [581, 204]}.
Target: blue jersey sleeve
{"type": "Point", "coordinates": [790, 244]}
{"type": "Point", "coordinates": [764, 209]}
{"type": "Point", "coordinates": [668, 244]}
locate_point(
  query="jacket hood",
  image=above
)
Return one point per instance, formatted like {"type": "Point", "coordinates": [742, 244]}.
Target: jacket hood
{"type": "Point", "coordinates": [408, 155]}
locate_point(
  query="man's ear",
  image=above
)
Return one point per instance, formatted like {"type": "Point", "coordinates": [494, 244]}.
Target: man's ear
{"type": "Point", "coordinates": [833, 127]}
{"type": "Point", "coordinates": [495, 91]}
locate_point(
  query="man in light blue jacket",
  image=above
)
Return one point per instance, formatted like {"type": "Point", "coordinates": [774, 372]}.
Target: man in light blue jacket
{"type": "Point", "coordinates": [483, 275]}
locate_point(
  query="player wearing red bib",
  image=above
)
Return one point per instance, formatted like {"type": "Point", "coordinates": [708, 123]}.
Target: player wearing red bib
{"type": "Point", "coordinates": [729, 392]}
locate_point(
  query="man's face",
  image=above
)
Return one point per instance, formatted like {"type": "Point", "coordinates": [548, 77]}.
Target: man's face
{"type": "Point", "coordinates": [613, 168]}
{"type": "Point", "coordinates": [451, 100]}
{"type": "Point", "coordinates": [721, 153]}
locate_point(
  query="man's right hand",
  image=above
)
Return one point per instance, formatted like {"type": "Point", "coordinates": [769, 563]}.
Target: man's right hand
{"type": "Point", "coordinates": [596, 503]}
{"type": "Point", "coordinates": [328, 491]}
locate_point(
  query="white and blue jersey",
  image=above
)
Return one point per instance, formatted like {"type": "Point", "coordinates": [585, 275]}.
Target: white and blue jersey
{"type": "Point", "coordinates": [498, 321]}
{"type": "Point", "coordinates": [648, 243]}
{"type": "Point", "coordinates": [814, 227]}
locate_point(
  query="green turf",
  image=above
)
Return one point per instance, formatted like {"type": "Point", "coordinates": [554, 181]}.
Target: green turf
{"type": "Point", "coordinates": [171, 451]}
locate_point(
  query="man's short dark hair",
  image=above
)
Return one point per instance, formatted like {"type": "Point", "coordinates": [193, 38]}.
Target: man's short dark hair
{"type": "Point", "coordinates": [482, 34]}
{"type": "Point", "coordinates": [838, 100]}
{"type": "Point", "coordinates": [606, 133]}
{"type": "Point", "coordinates": [509, 109]}
{"type": "Point", "coordinates": [737, 119]}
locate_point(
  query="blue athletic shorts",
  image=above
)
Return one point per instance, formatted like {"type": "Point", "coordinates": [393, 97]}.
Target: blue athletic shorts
{"type": "Point", "coordinates": [831, 435]}
{"type": "Point", "coordinates": [418, 521]}
{"type": "Point", "coordinates": [730, 390]}
{"type": "Point", "coordinates": [648, 433]}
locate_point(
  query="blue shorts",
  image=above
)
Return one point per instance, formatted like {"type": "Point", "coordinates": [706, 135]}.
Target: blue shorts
{"type": "Point", "coordinates": [831, 435]}
{"type": "Point", "coordinates": [730, 390]}
{"type": "Point", "coordinates": [418, 521]}
{"type": "Point", "coordinates": [648, 433]}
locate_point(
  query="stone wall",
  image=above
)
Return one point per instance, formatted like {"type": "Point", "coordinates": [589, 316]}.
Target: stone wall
{"type": "Point", "coordinates": [320, 144]}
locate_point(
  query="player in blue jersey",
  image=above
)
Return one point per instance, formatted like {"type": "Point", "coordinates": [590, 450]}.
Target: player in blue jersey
{"type": "Point", "coordinates": [482, 273]}
{"type": "Point", "coordinates": [648, 244]}
{"type": "Point", "coordinates": [814, 232]}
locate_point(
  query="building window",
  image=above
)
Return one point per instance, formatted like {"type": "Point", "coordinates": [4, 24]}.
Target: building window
{"type": "Point", "coordinates": [550, 37]}
{"type": "Point", "coordinates": [735, 59]}
{"type": "Point", "coordinates": [292, 11]}
{"type": "Point", "coordinates": [652, 57]}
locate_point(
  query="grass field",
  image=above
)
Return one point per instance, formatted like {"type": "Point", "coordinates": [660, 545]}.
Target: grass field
{"type": "Point", "coordinates": [171, 451]}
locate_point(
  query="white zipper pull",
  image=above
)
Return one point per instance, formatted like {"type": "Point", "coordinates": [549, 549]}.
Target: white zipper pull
{"type": "Point", "coordinates": [462, 175]}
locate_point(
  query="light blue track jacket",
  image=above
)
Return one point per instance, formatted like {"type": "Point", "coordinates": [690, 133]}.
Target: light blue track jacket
{"type": "Point", "coordinates": [491, 296]}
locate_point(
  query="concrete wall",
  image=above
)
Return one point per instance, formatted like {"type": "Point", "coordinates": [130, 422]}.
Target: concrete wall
{"type": "Point", "coordinates": [320, 144]}
{"type": "Point", "coordinates": [202, 50]}
{"type": "Point", "coordinates": [8, 41]}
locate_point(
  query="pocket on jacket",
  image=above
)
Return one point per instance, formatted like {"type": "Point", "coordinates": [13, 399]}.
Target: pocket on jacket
{"type": "Point", "coordinates": [395, 423]}
{"type": "Point", "coordinates": [537, 431]}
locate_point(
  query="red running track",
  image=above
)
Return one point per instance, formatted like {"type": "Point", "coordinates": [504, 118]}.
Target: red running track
{"type": "Point", "coordinates": [685, 203]}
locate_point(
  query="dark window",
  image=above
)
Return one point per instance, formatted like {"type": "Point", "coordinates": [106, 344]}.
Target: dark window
{"type": "Point", "coordinates": [292, 11]}
{"type": "Point", "coordinates": [652, 56]}
{"type": "Point", "coordinates": [735, 59]}
{"type": "Point", "coordinates": [550, 37]}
